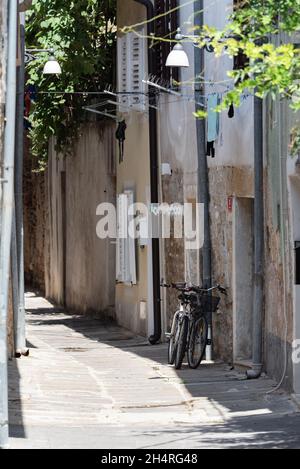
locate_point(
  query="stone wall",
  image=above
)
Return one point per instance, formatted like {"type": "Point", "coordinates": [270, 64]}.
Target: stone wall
{"type": "Point", "coordinates": [174, 259]}
{"type": "Point", "coordinates": [35, 210]}
{"type": "Point", "coordinates": [238, 182]}
{"type": "Point", "coordinates": [225, 182]}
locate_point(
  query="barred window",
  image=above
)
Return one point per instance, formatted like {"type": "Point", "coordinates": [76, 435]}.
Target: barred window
{"type": "Point", "coordinates": [165, 27]}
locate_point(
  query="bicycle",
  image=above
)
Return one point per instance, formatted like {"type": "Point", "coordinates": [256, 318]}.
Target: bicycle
{"type": "Point", "coordinates": [189, 331]}
{"type": "Point", "coordinates": [173, 335]}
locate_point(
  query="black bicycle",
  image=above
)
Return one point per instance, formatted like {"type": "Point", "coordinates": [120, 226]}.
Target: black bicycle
{"type": "Point", "coordinates": [189, 330]}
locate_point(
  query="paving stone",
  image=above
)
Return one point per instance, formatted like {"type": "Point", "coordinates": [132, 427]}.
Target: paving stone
{"type": "Point", "coordinates": [83, 386]}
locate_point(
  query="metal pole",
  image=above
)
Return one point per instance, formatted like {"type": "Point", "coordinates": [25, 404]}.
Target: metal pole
{"type": "Point", "coordinates": [258, 241]}
{"type": "Point", "coordinates": [14, 278]}
{"type": "Point", "coordinates": [7, 212]}
{"type": "Point", "coordinates": [20, 340]}
{"type": "Point", "coordinates": [203, 180]}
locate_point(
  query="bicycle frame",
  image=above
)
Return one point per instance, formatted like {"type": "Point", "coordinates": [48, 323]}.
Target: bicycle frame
{"type": "Point", "coordinates": [192, 306]}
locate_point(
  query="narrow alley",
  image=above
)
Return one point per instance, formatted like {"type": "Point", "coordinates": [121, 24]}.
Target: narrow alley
{"type": "Point", "coordinates": [149, 226]}
{"type": "Point", "coordinates": [89, 384]}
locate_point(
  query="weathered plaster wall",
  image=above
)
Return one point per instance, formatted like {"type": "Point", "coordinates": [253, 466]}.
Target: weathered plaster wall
{"type": "Point", "coordinates": [276, 343]}
{"type": "Point", "coordinates": [231, 174]}
{"type": "Point", "coordinates": [178, 147]}
{"type": "Point", "coordinates": [279, 246]}
{"type": "Point", "coordinates": [81, 267]}
{"type": "Point", "coordinates": [225, 182]}
{"type": "Point", "coordinates": [134, 174]}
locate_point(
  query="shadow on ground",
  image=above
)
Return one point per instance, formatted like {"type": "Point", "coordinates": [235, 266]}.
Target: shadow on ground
{"type": "Point", "coordinates": [239, 412]}
{"type": "Point", "coordinates": [14, 399]}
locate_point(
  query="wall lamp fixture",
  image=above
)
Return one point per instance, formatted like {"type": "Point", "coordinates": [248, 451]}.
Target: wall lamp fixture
{"type": "Point", "coordinates": [51, 67]}
{"type": "Point", "coordinates": [178, 57]}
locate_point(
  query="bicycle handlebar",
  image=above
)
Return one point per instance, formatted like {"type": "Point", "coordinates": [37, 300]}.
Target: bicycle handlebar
{"type": "Point", "coordinates": [185, 288]}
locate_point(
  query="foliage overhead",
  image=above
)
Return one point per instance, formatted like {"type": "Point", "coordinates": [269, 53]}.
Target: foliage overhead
{"type": "Point", "coordinates": [265, 32]}
{"type": "Point", "coordinates": [82, 33]}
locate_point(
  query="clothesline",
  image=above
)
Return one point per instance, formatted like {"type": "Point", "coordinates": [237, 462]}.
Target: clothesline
{"type": "Point", "coordinates": [198, 99]}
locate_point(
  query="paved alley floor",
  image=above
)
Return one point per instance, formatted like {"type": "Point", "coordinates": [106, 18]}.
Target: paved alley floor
{"type": "Point", "coordinates": [89, 384]}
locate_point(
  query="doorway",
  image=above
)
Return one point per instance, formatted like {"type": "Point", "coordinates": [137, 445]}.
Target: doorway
{"type": "Point", "coordinates": [243, 268]}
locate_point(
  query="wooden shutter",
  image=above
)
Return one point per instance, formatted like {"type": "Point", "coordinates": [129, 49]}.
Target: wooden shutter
{"type": "Point", "coordinates": [165, 27]}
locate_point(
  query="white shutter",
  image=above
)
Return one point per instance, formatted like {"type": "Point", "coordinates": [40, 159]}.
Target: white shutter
{"type": "Point", "coordinates": [126, 248]}
{"type": "Point", "coordinates": [131, 247]}
{"type": "Point", "coordinates": [122, 255]}
{"type": "Point", "coordinates": [137, 70]}
{"type": "Point", "coordinates": [131, 69]}
{"type": "Point", "coordinates": [123, 68]}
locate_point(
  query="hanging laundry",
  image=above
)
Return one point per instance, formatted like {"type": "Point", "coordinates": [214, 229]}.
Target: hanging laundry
{"type": "Point", "coordinates": [120, 136]}
{"type": "Point", "coordinates": [29, 98]}
{"type": "Point", "coordinates": [213, 123]}
{"type": "Point", "coordinates": [210, 149]}
{"type": "Point", "coordinates": [231, 111]}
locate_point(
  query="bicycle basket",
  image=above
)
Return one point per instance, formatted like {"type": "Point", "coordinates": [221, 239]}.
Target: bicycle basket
{"type": "Point", "coordinates": [209, 304]}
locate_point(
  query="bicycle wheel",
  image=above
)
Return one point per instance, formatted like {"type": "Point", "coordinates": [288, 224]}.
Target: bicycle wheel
{"type": "Point", "coordinates": [197, 342]}
{"type": "Point", "coordinates": [182, 339]}
{"type": "Point", "coordinates": [173, 340]}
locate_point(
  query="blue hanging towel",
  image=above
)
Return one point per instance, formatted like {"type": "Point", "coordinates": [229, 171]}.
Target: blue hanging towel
{"type": "Point", "coordinates": [213, 118]}
{"type": "Point", "coordinates": [213, 124]}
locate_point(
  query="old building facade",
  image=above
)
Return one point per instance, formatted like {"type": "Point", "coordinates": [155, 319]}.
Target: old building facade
{"type": "Point", "coordinates": [231, 184]}
{"type": "Point", "coordinates": [157, 161]}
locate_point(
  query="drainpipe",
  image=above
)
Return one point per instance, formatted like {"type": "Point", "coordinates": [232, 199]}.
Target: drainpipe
{"type": "Point", "coordinates": [7, 212]}
{"type": "Point", "coordinates": [203, 181]}
{"type": "Point", "coordinates": [258, 304]}
{"type": "Point", "coordinates": [153, 339]}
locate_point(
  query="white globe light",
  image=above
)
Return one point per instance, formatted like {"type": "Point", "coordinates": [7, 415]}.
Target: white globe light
{"type": "Point", "coordinates": [178, 57]}
{"type": "Point", "coordinates": [52, 67]}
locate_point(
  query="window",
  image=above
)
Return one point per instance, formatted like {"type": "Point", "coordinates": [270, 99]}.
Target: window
{"type": "Point", "coordinates": [126, 247]}
{"type": "Point", "coordinates": [165, 27]}
{"type": "Point", "coordinates": [131, 69]}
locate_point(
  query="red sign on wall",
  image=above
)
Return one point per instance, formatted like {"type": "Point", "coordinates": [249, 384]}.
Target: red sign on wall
{"type": "Point", "coordinates": [230, 204]}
